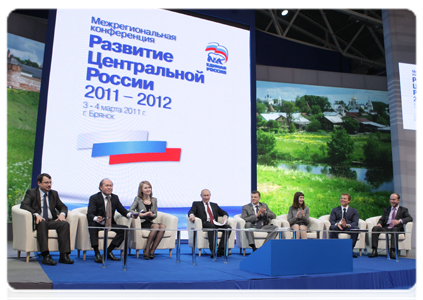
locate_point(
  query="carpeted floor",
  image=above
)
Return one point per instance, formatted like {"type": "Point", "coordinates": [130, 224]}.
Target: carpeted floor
{"type": "Point", "coordinates": [165, 273]}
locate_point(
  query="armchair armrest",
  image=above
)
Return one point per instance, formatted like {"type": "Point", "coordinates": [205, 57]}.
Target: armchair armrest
{"type": "Point", "coordinates": [22, 228]}
{"type": "Point", "coordinates": [197, 224]}
{"type": "Point", "coordinates": [371, 222]}
{"type": "Point", "coordinates": [325, 220]}
{"type": "Point", "coordinates": [73, 220]}
{"type": "Point", "coordinates": [284, 220]}
{"type": "Point", "coordinates": [168, 220]}
{"type": "Point", "coordinates": [277, 222]}
{"type": "Point", "coordinates": [240, 222]}
{"type": "Point", "coordinates": [82, 240]}
{"type": "Point", "coordinates": [122, 220]}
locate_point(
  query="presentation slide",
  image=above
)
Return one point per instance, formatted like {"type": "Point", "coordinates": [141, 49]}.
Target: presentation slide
{"type": "Point", "coordinates": [150, 95]}
{"type": "Point", "coordinates": [408, 86]}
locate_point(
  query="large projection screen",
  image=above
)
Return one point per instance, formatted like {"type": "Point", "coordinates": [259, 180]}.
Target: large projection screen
{"type": "Point", "coordinates": [151, 95]}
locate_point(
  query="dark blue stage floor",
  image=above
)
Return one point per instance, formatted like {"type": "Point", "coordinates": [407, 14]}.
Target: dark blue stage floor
{"type": "Point", "coordinates": [165, 273]}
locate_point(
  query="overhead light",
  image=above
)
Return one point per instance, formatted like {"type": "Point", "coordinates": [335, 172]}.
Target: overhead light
{"type": "Point", "coordinates": [284, 12]}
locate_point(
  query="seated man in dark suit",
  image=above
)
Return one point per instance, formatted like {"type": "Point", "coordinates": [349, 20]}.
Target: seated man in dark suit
{"type": "Point", "coordinates": [258, 215]}
{"type": "Point", "coordinates": [393, 219]}
{"type": "Point", "coordinates": [99, 215]}
{"type": "Point", "coordinates": [42, 202]}
{"type": "Point", "coordinates": [344, 218]}
{"type": "Point", "coordinates": [209, 212]}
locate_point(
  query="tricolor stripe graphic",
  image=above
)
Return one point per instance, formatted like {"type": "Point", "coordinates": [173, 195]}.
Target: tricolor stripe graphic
{"type": "Point", "coordinates": [106, 149]}
{"type": "Point", "coordinates": [134, 148]}
{"type": "Point", "coordinates": [171, 154]}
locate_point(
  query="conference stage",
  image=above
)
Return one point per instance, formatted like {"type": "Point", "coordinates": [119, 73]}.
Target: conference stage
{"type": "Point", "coordinates": [164, 273]}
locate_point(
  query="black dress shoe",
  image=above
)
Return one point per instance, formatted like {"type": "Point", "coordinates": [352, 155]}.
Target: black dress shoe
{"type": "Point", "coordinates": [47, 260]}
{"type": "Point", "coordinates": [392, 254]}
{"type": "Point", "coordinates": [355, 255]}
{"type": "Point", "coordinates": [151, 256]}
{"type": "Point", "coordinates": [98, 258]}
{"type": "Point", "coordinates": [64, 259]}
{"type": "Point", "coordinates": [374, 253]}
{"type": "Point", "coordinates": [112, 257]}
{"type": "Point", "coordinates": [253, 247]}
{"type": "Point", "coordinates": [146, 256]}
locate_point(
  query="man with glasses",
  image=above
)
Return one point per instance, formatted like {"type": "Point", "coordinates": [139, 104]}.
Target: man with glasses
{"type": "Point", "coordinates": [42, 202]}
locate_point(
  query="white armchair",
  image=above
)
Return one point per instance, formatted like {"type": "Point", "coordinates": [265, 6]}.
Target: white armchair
{"type": "Point", "coordinates": [404, 239]}
{"type": "Point", "coordinates": [315, 227]}
{"type": "Point", "coordinates": [361, 239]}
{"type": "Point", "coordinates": [25, 238]}
{"type": "Point", "coordinates": [202, 238]}
{"type": "Point", "coordinates": [259, 237]}
{"type": "Point", "coordinates": [83, 242]}
{"type": "Point", "coordinates": [138, 238]}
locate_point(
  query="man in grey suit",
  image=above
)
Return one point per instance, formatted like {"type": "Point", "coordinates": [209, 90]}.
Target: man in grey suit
{"type": "Point", "coordinates": [258, 215]}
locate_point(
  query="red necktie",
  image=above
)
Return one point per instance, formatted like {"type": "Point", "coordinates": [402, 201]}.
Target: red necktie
{"type": "Point", "coordinates": [210, 213]}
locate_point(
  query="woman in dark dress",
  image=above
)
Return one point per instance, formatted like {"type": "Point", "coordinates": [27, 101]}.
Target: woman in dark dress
{"type": "Point", "coordinates": [146, 205]}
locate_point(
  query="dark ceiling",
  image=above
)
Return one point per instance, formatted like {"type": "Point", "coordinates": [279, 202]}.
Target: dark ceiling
{"type": "Point", "coordinates": [356, 34]}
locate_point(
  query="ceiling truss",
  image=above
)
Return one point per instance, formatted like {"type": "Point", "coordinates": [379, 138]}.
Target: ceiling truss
{"type": "Point", "coordinates": [356, 34]}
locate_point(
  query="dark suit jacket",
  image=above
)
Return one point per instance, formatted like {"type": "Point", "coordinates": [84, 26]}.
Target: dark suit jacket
{"type": "Point", "coordinates": [352, 217]}
{"type": "Point", "coordinates": [198, 210]}
{"type": "Point", "coordinates": [32, 203]}
{"type": "Point", "coordinates": [402, 213]}
{"type": "Point", "coordinates": [96, 208]}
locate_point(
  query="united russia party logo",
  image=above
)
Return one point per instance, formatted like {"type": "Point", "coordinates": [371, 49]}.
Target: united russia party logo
{"type": "Point", "coordinates": [217, 57]}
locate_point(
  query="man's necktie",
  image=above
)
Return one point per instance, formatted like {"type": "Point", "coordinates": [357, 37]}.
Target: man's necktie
{"type": "Point", "coordinates": [210, 213]}
{"type": "Point", "coordinates": [108, 213]}
{"type": "Point", "coordinates": [394, 214]}
{"type": "Point", "coordinates": [259, 223]}
{"type": "Point", "coordinates": [344, 214]}
{"type": "Point", "coordinates": [45, 208]}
